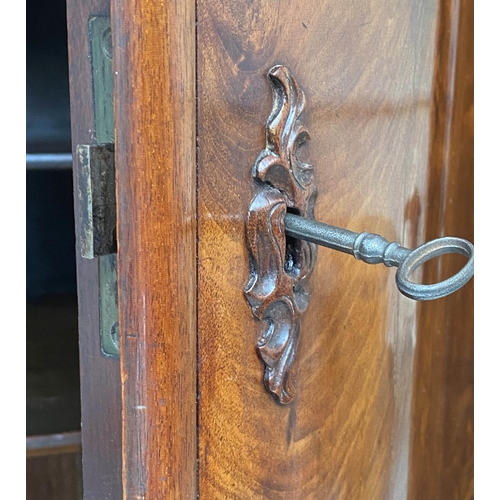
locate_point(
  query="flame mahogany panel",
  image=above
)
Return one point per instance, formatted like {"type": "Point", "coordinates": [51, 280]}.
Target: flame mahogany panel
{"type": "Point", "coordinates": [368, 74]}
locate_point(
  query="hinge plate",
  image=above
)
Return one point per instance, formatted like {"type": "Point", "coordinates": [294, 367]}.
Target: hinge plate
{"type": "Point", "coordinates": [97, 185]}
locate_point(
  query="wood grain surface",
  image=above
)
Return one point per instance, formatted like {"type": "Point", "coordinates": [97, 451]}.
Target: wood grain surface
{"type": "Point", "coordinates": [99, 376]}
{"type": "Point", "coordinates": [155, 130]}
{"type": "Point", "coordinates": [442, 455]}
{"type": "Point", "coordinates": [387, 97]}
{"type": "Point", "coordinates": [367, 72]}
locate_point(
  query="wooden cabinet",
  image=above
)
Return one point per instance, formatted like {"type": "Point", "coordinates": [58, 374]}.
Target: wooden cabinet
{"type": "Point", "coordinates": [383, 385]}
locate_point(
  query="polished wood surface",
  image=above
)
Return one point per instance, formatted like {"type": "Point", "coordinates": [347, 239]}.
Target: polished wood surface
{"type": "Point", "coordinates": [389, 114]}
{"type": "Point", "coordinates": [443, 417]}
{"type": "Point", "coordinates": [155, 131]}
{"type": "Point", "coordinates": [99, 376]}
{"type": "Point", "coordinates": [367, 72]}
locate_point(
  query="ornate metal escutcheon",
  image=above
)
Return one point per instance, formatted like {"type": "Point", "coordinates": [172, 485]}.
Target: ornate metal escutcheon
{"type": "Point", "coordinates": [280, 266]}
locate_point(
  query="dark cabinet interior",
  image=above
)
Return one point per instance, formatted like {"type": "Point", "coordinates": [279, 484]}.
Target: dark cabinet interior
{"type": "Point", "coordinates": [52, 382]}
{"type": "Point", "coordinates": [47, 88]}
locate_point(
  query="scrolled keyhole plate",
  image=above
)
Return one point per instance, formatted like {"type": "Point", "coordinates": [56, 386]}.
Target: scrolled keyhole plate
{"type": "Point", "coordinates": [280, 265]}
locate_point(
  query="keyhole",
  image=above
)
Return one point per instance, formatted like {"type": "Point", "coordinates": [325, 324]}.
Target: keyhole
{"type": "Point", "coordinates": [292, 254]}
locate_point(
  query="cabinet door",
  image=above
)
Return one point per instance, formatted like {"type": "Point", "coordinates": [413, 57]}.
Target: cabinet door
{"type": "Point", "coordinates": [382, 404]}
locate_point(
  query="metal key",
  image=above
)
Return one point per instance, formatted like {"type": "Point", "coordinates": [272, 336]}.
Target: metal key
{"type": "Point", "coordinates": [375, 249]}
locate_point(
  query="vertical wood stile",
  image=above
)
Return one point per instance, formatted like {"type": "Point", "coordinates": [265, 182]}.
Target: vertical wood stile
{"type": "Point", "coordinates": [154, 64]}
